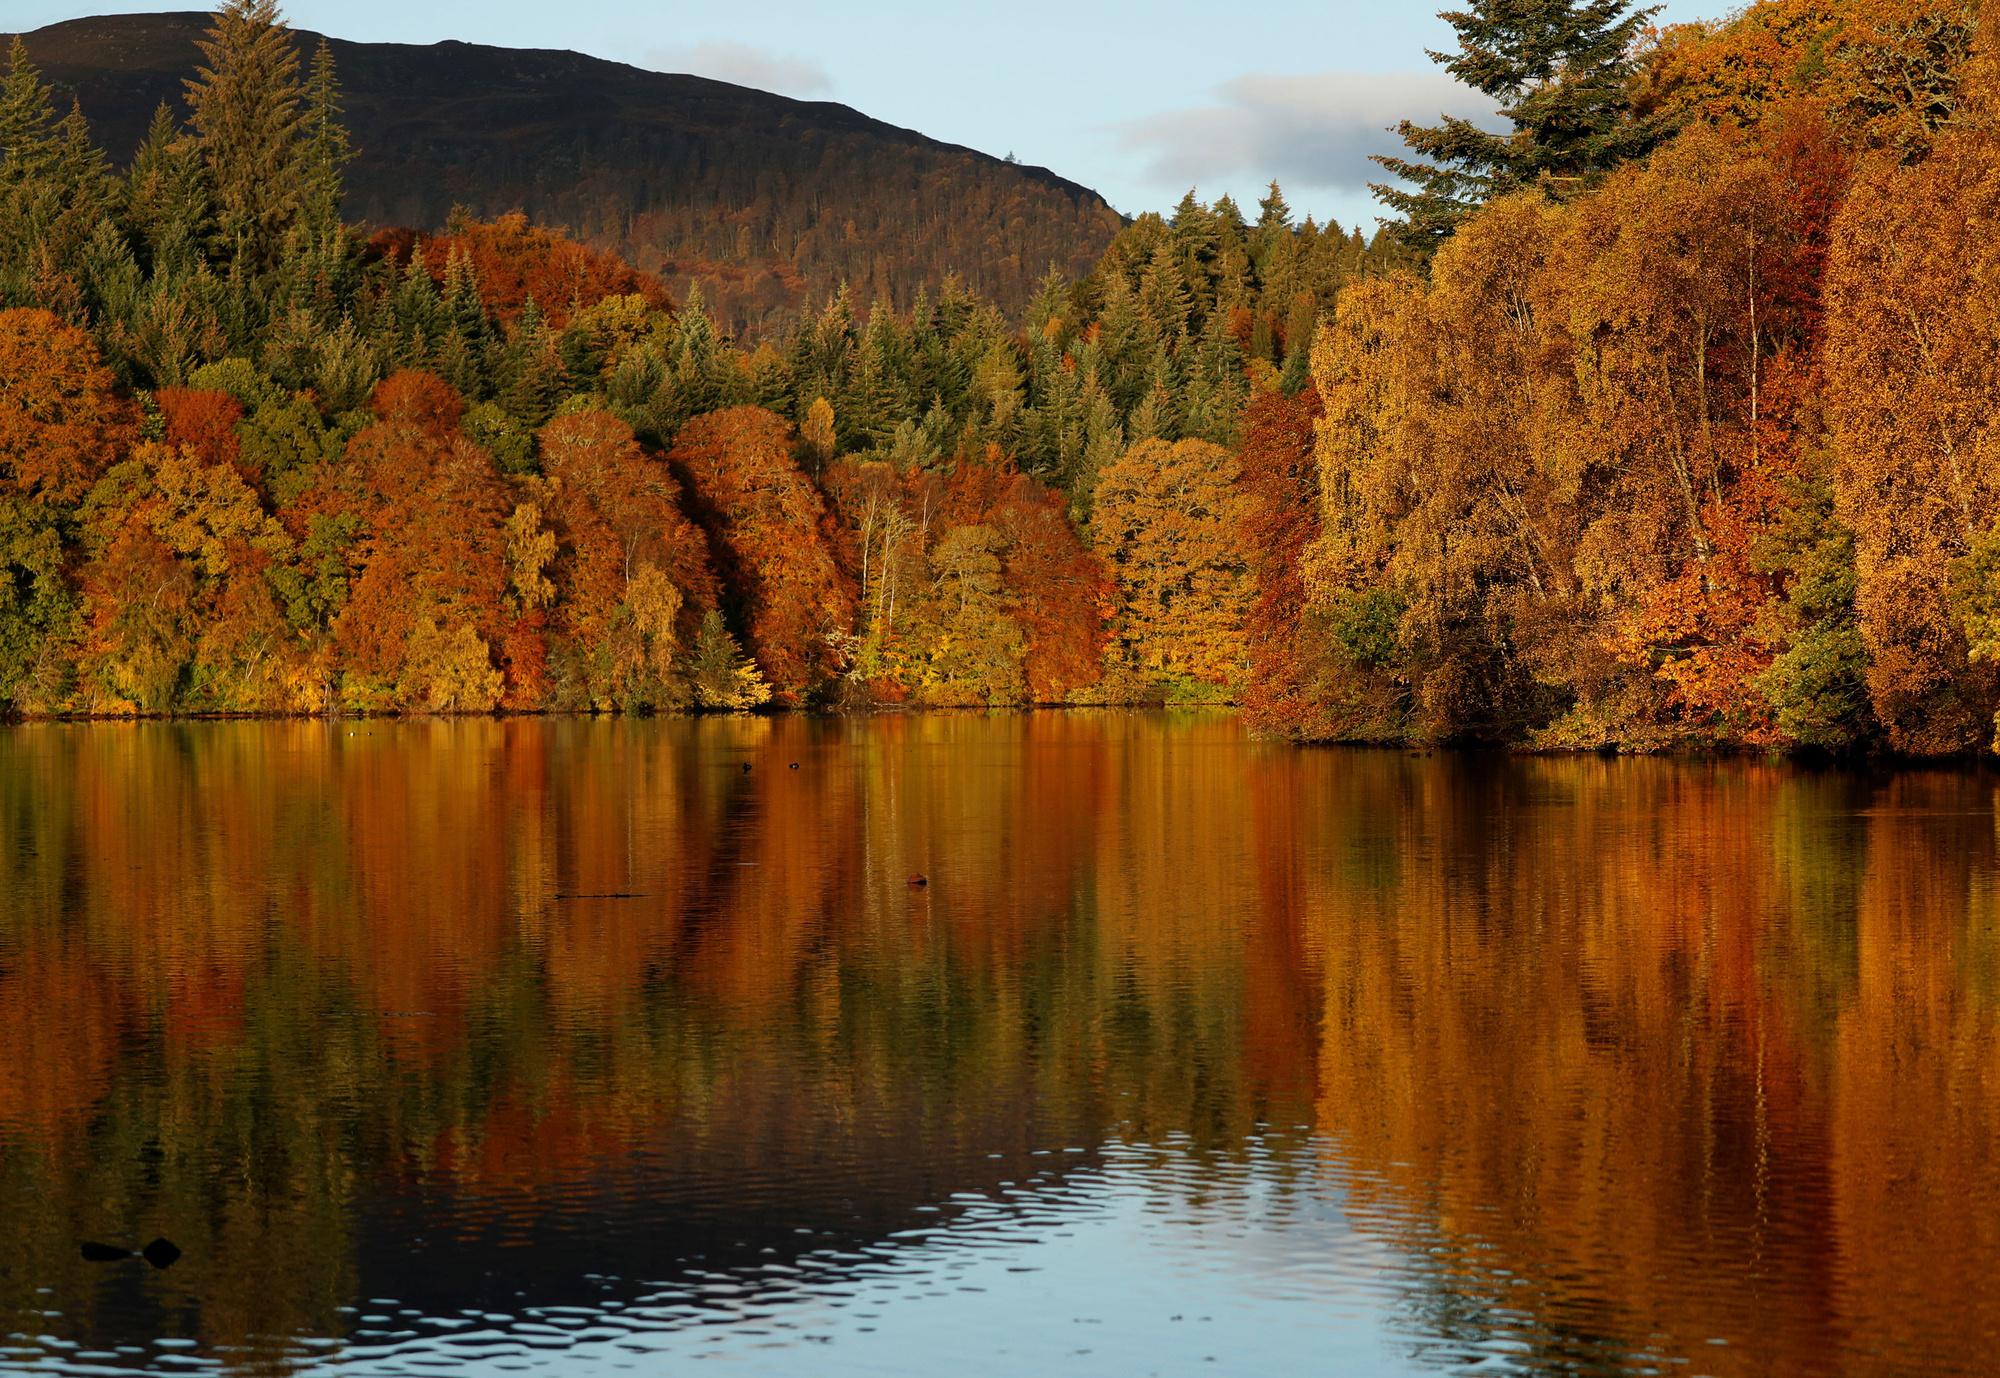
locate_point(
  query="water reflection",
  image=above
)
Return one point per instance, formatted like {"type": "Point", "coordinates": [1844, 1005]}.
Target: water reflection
{"type": "Point", "coordinates": [568, 1043]}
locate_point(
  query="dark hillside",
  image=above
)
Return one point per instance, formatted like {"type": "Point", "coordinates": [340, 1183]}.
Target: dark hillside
{"type": "Point", "coordinates": [768, 202]}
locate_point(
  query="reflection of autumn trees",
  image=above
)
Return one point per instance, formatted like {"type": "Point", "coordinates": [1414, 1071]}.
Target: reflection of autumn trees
{"type": "Point", "coordinates": [307, 964]}
{"type": "Point", "coordinates": [1615, 1046]}
{"type": "Point", "coordinates": [1626, 1055]}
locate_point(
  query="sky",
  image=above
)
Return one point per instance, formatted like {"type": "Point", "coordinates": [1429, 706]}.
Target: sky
{"type": "Point", "coordinates": [1139, 99]}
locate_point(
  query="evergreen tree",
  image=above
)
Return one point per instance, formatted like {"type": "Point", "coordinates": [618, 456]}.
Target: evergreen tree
{"type": "Point", "coordinates": [26, 118]}
{"type": "Point", "coordinates": [27, 166]}
{"type": "Point", "coordinates": [81, 176]}
{"type": "Point", "coordinates": [1300, 326]}
{"type": "Point", "coordinates": [534, 378]}
{"type": "Point", "coordinates": [699, 376]}
{"type": "Point", "coordinates": [877, 395]}
{"type": "Point", "coordinates": [1050, 306]}
{"type": "Point", "coordinates": [247, 105]}
{"type": "Point", "coordinates": [1164, 295]}
{"type": "Point", "coordinates": [166, 198]}
{"type": "Point", "coordinates": [1561, 72]}
{"type": "Point", "coordinates": [418, 316]}
{"type": "Point", "coordinates": [327, 149]}
{"type": "Point", "coordinates": [1274, 247]}
{"type": "Point", "coordinates": [1196, 238]}
{"type": "Point", "coordinates": [464, 309]}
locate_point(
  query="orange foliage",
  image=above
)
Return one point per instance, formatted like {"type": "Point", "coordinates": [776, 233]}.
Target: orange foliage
{"type": "Point", "coordinates": [1280, 476]}
{"type": "Point", "coordinates": [516, 261]}
{"type": "Point", "coordinates": [1912, 371]}
{"type": "Point", "coordinates": [61, 424]}
{"type": "Point", "coordinates": [1885, 72]}
{"type": "Point", "coordinates": [617, 514]}
{"type": "Point", "coordinates": [1064, 596]}
{"type": "Point", "coordinates": [201, 422]}
{"type": "Point", "coordinates": [1058, 591]}
{"type": "Point", "coordinates": [426, 611]}
{"type": "Point", "coordinates": [773, 540]}
{"type": "Point", "coordinates": [1168, 522]}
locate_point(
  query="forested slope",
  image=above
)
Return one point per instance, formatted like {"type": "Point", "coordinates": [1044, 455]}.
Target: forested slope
{"type": "Point", "coordinates": [769, 203]}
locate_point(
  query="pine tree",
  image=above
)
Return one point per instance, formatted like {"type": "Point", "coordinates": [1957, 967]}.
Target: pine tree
{"type": "Point", "coordinates": [81, 175]}
{"type": "Point", "coordinates": [27, 167]}
{"type": "Point", "coordinates": [533, 377]}
{"type": "Point", "coordinates": [464, 308]}
{"type": "Point", "coordinates": [1299, 328]}
{"type": "Point", "coordinates": [1050, 305]}
{"type": "Point", "coordinates": [1274, 246]}
{"type": "Point", "coordinates": [247, 112]}
{"type": "Point", "coordinates": [700, 376]}
{"type": "Point", "coordinates": [1215, 391]}
{"type": "Point", "coordinates": [1164, 295]}
{"type": "Point", "coordinates": [1196, 234]}
{"type": "Point", "coordinates": [1560, 70]}
{"type": "Point", "coordinates": [418, 315]}
{"type": "Point", "coordinates": [327, 149]}
{"type": "Point", "coordinates": [877, 394]}
{"type": "Point", "coordinates": [166, 198]}
{"type": "Point", "coordinates": [26, 119]}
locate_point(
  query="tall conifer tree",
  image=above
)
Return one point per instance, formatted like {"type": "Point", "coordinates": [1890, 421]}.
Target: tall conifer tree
{"type": "Point", "coordinates": [1560, 71]}
{"type": "Point", "coordinates": [327, 148]}
{"type": "Point", "coordinates": [248, 105]}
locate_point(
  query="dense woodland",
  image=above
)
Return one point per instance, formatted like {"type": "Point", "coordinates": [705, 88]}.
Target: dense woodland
{"type": "Point", "coordinates": [1662, 420]}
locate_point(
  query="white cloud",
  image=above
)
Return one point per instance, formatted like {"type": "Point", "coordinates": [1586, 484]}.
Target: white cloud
{"type": "Point", "coordinates": [1313, 133]}
{"type": "Point", "coordinates": [745, 66]}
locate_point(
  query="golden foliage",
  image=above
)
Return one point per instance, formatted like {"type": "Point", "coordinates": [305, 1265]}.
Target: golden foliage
{"type": "Point", "coordinates": [1167, 522]}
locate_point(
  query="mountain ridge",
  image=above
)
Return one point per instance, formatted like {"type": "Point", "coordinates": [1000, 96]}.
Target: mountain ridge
{"type": "Point", "coordinates": [767, 201]}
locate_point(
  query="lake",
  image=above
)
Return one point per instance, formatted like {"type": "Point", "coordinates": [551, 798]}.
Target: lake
{"type": "Point", "coordinates": [583, 1045]}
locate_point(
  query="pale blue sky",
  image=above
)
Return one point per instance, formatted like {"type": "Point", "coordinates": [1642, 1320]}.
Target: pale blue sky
{"type": "Point", "coordinates": [1138, 98]}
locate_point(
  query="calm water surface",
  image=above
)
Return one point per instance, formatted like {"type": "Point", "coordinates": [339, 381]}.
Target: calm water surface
{"type": "Point", "coordinates": [573, 1046]}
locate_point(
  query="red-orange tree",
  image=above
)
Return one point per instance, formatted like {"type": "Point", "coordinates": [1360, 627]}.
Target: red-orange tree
{"type": "Point", "coordinates": [772, 537]}
{"type": "Point", "coordinates": [631, 575]}
{"type": "Point", "coordinates": [429, 606]}
{"type": "Point", "coordinates": [1281, 480]}
{"type": "Point", "coordinates": [61, 422]}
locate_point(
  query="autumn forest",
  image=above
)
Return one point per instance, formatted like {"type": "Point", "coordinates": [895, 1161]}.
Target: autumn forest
{"type": "Point", "coordinates": [1662, 419]}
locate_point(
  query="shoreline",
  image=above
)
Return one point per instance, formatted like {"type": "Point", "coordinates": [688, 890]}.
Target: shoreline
{"type": "Point", "coordinates": [1716, 752]}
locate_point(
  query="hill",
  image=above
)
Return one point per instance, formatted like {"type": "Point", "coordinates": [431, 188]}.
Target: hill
{"type": "Point", "coordinates": [768, 202]}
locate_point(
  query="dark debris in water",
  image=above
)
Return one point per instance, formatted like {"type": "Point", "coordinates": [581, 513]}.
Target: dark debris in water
{"type": "Point", "coordinates": [162, 1253]}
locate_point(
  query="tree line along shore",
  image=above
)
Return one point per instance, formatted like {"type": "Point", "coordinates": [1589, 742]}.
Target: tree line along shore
{"type": "Point", "coordinates": [1662, 418]}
